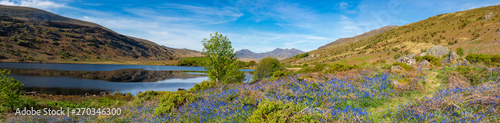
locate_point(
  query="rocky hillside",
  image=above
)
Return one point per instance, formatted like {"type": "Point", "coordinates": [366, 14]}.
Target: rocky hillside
{"type": "Point", "coordinates": [475, 31]}
{"type": "Point", "coordinates": [278, 53]}
{"type": "Point", "coordinates": [341, 41]}
{"type": "Point", "coordinates": [33, 35]}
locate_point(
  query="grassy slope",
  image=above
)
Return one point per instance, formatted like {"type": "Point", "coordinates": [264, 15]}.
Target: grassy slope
{"type": "Point", "coordinates": [465, 29]}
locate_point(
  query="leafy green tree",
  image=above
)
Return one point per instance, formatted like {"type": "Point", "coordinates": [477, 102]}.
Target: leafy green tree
{"type": "Point", "coordinates": [251, 63]}
{"type": "Point", "coordinates": [221, 61]}
{"type": "Point", "coordinates": [10, 90]}
{"type": "Point", "coordinates": [266, 67]}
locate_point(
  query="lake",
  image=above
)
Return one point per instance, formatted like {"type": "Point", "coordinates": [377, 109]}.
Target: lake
{"type": "Point", "coordinates": [78, 79]}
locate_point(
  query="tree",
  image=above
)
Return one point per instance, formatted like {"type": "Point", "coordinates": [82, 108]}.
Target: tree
{"type": "Point", "coordinates": [221, 65]}
{"type": "Point", "coordinates": [10, 90]}
{"type": "Point", "coordinates": [251, 63]}
{"type": "Point", "coordinates": [266, 67]}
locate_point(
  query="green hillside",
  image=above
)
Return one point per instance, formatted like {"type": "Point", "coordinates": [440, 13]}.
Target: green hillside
{"type": "Point", "coordinates": [475, 30]}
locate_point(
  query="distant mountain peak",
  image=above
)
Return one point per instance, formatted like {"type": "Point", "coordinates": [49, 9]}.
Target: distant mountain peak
{"type": "Point", "coordinates": [278, 52]}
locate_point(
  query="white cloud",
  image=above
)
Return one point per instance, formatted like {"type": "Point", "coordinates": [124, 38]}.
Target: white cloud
{"type": "Point", "coordinates": [343, 5]}
{"type": "Point", "coordinates": [41, 4]}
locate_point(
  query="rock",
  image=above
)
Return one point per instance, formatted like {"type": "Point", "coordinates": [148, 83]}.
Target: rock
{"type": "Point", "coordinates": [411, 56]}
{"type": "Point", "coordinates": [103, 94]}
{"type": "Point", "coordinates": [437, 51]}
{"type": "Point", "coordinates": [424, 63]}
{"type": "Point", "coordinates": [488, 16]}
{"type": "Point", "coordinates": [87, 94]}
{"type": "Point", "coordinates": [396, 69]}
{"type": "Point", "coordinates": [33, 93]}
{"type": "Point", "coordinates": [423, 54]}
{"type": "Point", "coordinates": [451, 58]}
{"type": "Point", "coordinates": [181, 89]}
{"type": "Point", "coordinates": [406, 60]}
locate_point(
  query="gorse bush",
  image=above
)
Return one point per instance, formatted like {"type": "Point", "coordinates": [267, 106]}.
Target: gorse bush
{"type": "Point", "coordinates": [299, 56]}
{"type": "Point", "coordinates": [340, 67]}
{"type": "Point", "coordinates": [148, 95]}
{"type": "Point", "coordinates": [170, 101]}
{"type": "Point", "coordinates": [478, 75]}
{"type": "Point", "coordinates": [266, 67]}
{"type": "Point", "coordinates": [280, 74]}
{"type": "Point", "coordinates": [274, 111]}
{"type": "Point", "coordinates": [202, 86]}
{"type": "Point", "coordinates": [432, 59]}
{"type": "Point", "coordinates": [484, 58]}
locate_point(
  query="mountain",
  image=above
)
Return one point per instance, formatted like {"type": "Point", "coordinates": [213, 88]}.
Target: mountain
{"type": "Point", "coordinates": [278, 53]}
{"type": "Point", "coordinates": [475, 31]}
{"type": "Point", "coordinates": [34, 35]}
{"type": "Point", "coordinates": [341, 41]}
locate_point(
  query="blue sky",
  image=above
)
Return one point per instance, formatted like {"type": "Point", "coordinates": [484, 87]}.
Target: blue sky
{"type": "Point", "coordinates": [258, 25]}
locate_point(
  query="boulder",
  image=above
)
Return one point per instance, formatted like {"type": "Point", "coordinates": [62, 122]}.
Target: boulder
{"type": "Point", "coordinates": [396, 69]}
{"type": "Point", "coordinates": [437, 51]}
{"type": "Point", "coordinates": [411, 56]}
{"type": "Point", "coordinates": [424, 63]}
{"type": "Point", "coordinates": [423, 54]}
{"type": "Point", "coordinates": [451, 58]}
{"type": "Point", "coordinates": [406, 60]}
{"type": "Point", "coordinates": [103, 94]}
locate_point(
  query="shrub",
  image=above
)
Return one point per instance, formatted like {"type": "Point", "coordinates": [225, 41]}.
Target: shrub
{"type": "Point", "coordinates": [274, 111]}
{"type": "Point", "coordinates": [299, 56]}
{"type": "Point", "coordinates": [397, 56]}
{"type": "Point", "coordinates": [485, 58]}
{"type": "Point", "coordinates": [204, 85]}
{"type": "Point", "coordinates": [241, 64]}
{"type": "Point", "coordinates": [403, 65]}
{"type": "Point", "coordinates": [148, 95]}
{"type": "Point", "coordinates": [10, 90]}
{"type": "Point", "coordinates": [279, 74]}
{"type": "Point", "coordinates": [251, 63]}
{"type": "Point", "coordinates": [266, 67]}
{"type": "Point", "coordinates": [319, 67]}
{"type": "Point", "coordinates": [431, 59]}
{"type": "Point", "coordinates": [340, 67]}
{"type": "Point", "coordinates": [193, 61]}
{"type": "Point", "coordinates": [477, 75]}
{"type": "Point", "coordinates": [172, 100]}
{"type": "Point", "coordinates": [460, 52]}
{"type": "Point", "coordinates": [379, 62]}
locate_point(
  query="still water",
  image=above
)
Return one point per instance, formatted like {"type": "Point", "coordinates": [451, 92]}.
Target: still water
{"type": "Point", "coordinates": [78, 79]}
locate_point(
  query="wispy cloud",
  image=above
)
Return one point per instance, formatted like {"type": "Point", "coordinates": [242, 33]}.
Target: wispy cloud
{"type": "Point", "coordinates": [41, 4]}
{"type": "Point", "coordinates": [258, 25]}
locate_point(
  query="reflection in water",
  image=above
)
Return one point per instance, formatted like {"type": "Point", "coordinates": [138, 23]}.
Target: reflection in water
{"type": "Point", "coordinates": [127, 75]}
{"type": "Point", "coordinates": [86, 84]}
{"type": "Point", "coordinates": [78, 79]}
